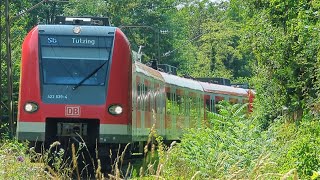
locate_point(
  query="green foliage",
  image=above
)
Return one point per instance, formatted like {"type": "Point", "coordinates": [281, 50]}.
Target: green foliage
{"type": "Point", "coordinates": [15, 164]}
{"type": "Point", "coordinates": [297, 146]}
{"type": "Point", "coordinates": [283, 36]}
{"type": "Point", "coordinates": [86, 8]}
{"type": "Point", "coordinates": [232, 144]}
{"type": "Point", "coordinates": [235, 147]}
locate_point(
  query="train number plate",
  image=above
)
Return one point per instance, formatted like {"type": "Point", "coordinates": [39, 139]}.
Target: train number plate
{"type": "Point", "coordinates": [72, 111]}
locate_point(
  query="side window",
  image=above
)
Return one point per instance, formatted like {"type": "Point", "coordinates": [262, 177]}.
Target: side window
{"type": "Point", "coordinates": [145, 97]}
{"type": "Point", "coordinates": [188, 100]}
{"type": "Point", "coordinates": [174, 103]}
{"type": "Point", "coordinates": [209, 106]}
{"type": "Point", "coordinates": [193, 109]}
{"type": "Point", "coordinates": [217, 99]}
{"type": "Point", "coordinates": [201, 108]}
{"type": "Point", "coordinates": [168, 103]}
{"type": "Point", "coordinates": [155, 95]}
{"type": "Point", "coordinates": [233, 100]}
{"type": "Point", "coordinates": [212, 105]}
{"type": "Point", "coordinates": [181, 103]}
{"type": "Point", "coordinates": [139, 96]}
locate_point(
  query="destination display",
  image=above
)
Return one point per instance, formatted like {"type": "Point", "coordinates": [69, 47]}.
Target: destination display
{"type": "Point", "coordinates": [76, 41]}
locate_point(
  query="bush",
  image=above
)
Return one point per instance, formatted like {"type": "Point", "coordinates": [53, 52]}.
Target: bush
{"type": "Point", "coordinates": [15, 164]}
{"type": "Point", "coordinates": [297, 146]}
{"type": "Point", "coordinates": [232, 146]}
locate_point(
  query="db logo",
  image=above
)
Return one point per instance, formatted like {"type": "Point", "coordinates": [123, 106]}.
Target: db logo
{"type": "Point", "coordinates": [72, 111]}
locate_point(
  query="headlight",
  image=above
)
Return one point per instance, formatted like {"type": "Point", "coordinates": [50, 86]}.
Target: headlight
{"type": "Point", "coordinates": [115, 109]}
{"type": "Point", "coordinates": [30, 107]}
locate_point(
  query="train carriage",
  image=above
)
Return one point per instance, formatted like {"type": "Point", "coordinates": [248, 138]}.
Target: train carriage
{"type": "Point", "coordinates": [214, 93]}
{"type": "Point", "coordinates": [78, 78]}
{"type": "Point", "coordinates": [148, 89]}
{"type": "Point", "coordinates": [184, 105]}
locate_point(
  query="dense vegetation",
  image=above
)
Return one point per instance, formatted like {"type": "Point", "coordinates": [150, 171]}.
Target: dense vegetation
{"type": "Point", "coordinates": [271, 44]}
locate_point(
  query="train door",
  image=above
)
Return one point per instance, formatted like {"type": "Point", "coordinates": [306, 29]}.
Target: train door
{"type": "Point", "coordinates": [148, 106]}
{"type": "Point", "coordinates": [187, 100]}
{"type": "Point", "coordinates": [134, 105]}
{"type": "Point", "coordinates": [138, 122]}
{"type": "Point", "coordinates": [159, 107]}
{"type": "Point", "coordinates": [180, 112]}
{"type": "Point", "coordinates": [171, 108]}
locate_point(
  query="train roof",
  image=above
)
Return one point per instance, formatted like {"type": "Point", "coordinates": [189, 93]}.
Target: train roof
{"type": "Point", "coordinates": [189, 83]}
{"type": "Point", "coordinates": [142, 68]}
{"type": "Point", "coordinates": [55, 29]}
{"type": "Point", "coordinates": [221, 89]}
{"type": "Point", "coordinates": [182, 82]}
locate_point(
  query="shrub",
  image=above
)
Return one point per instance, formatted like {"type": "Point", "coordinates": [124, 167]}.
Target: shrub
{"type": "Point", "coordinates": [232, 146]}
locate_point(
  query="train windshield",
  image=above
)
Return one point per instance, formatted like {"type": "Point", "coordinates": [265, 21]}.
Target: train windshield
{"type": "Point", "coordinates": [74, 65]}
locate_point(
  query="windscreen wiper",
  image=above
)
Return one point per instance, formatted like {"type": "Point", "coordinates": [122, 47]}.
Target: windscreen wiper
{"type": "Point", "coordinates": [87, 77]}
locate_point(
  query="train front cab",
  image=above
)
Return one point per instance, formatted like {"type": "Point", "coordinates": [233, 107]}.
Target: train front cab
{"type": "Point", "coordinates": [72, 83]}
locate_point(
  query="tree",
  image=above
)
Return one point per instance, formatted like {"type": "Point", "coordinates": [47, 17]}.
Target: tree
{"type": "Point", "coordinates": [283, 36]}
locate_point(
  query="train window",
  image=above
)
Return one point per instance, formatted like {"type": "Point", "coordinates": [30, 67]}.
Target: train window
{"type": "Point", "coordinates": [149, 98]}
{"type": "Point", "coordinates": [233, 100]}
{"type": "Point", "coordinates": [168, 103]}
{"type": "Point", "coordinates": [74, 71]}
{"type": "Point", "coordinates": [217, 99]}
{"type": "Point", "coordinates": [194, 109]}
{"type": "Point", "coordinates": [145, 97]}
{"type": "Point", "coordinates": [209, 101]}
{"type": "Point", "coordinates": [181, 104]}
{"type": "Point", "coordinates": [201, 111]}
{"type": "Point", "coordinates": [159, 102]}
{"type": "Point", "coordinates": [174, 103]}
{"type": "Point", "coordinates": [199, 105]}
{"type": "Point", "coordinates": [171, 103]}
{"type": "Point", "coordinates": [66, 61]}
{"type": "Point", "coordinates": [139, 98]}
{"type": "Point", "coordinates": [208, 104]}
{"type": "Point", "coordinates": [188, 104]}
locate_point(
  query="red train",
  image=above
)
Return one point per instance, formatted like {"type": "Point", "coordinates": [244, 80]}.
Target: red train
{"type": "Point", "coordinates": [79, 78]}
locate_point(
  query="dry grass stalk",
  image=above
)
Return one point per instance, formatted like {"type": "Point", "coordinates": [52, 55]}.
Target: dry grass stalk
{"type": "Point", "coordinates": [99, 175]}
{"type": "Point", "coordinates": [268, 175]}
{"type": "Point", "coordinates": [111, 162]}
{"type": "Point", "coordinates": [159, 169]}
{"type": "Point", "coordinates": [54, 144]}
{"type": "Point", "coordinates": [85, 168]}
{"type": "Point", "coordinates": [117, 170]}
{"type": "Point", "coordinates": [123, 153]}
{"type": "Point", "coordinates": [261, 162]}
{"type": "Point", "coordinates": [288, 174]}
{"type": "Point", "coordinates": [51, 171]}
{"type": "Point", "coordinates": [74, 161]}
{"type": "Point", "coordinates": [141, 172]}
{"type": "Point", "coordinates": [128, 170]}
{"type": "Point", "coordinates": [194, 176]}
{"type": "Point", "coordinates": [85, 146]}
{"type": "Point", "coordinates": [150, 169]}
{"type": "Point", "coordinates": [236, 174]}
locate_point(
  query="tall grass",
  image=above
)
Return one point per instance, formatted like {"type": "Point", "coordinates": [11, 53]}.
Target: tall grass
{"type": "Point", "coordinates": [233, 146]}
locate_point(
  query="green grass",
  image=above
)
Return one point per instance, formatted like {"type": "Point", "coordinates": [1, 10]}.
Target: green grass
{"type": "Point", "coordinates": [233, 146]}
